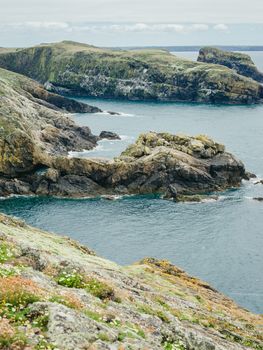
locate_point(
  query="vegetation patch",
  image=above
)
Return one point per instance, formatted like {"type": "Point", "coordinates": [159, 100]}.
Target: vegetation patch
{"type": "Point", "coordinates": [6, 253]}
{"type": "Point", "coordinates": [16, 293]}
{"type": "Point", "coordinates": [10, 338]}
{"type": "Point", "coordinates": [8, 271]}
{"type": "Point", "coordinates": [146, 309]}
{"type": "Point", "coordinates": [99, 289]}
{"type": "Point", "coordinates": [93, 286]}
{"type": "Point", "coordinates": [69, 300]}
{"type": "Point", "coordinates": [70, 279]}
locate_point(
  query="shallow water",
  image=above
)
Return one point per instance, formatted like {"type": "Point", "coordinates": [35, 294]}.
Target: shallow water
{"type": "Point", "coordinates": [220, 242]}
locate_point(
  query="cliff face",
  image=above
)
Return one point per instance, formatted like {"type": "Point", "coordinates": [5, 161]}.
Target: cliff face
{"type": "Point", "coordinates": [70, 67]}
{"type": "Point", "coordinates": [56, 294]}
{"type": "Point", "coordinates": [33, 125]}
{"type": "Point", "coordinates": [239, 62]}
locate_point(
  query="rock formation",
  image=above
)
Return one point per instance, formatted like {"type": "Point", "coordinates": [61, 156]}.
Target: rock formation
{"type": "Point", "coordinates": [35, 138]}
{"type": "Point", "coordinates": [57, 294]}
{"type": "Point", "coordinates": [33, 125]}
{"type": "Point", "coordinates": [239, 62]}
{"type": "Point", "coordinates": [80, 69]}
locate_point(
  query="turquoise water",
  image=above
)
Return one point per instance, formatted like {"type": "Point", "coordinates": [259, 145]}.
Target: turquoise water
{"type": "Point", "coordinates": [220, 242]}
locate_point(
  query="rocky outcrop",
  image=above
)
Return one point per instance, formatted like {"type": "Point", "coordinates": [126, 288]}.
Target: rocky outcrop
{"type": "Point", "coordinates": [57, 294]}
{"type": "Point", "coordinates": [80, 69]}
{"type": "Point", "coordinates": [239, 62]}
{"type": "Point", "coordinates": [109, 135]}
{"type": "Point", "coordinates": [33, 125]}
{"type": "Point", "coordinates": [165, 164]}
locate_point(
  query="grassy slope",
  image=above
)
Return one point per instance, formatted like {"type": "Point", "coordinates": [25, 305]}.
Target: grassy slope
{"type": "Point", "coordinates": [136, 306]}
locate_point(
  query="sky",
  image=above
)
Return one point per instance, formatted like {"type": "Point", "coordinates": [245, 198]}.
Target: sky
{"type": "Point", "coordinates": [132, 22]}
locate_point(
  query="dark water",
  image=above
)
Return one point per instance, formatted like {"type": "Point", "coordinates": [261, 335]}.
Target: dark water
{"type": "Point", "coordinates": [220, 242]}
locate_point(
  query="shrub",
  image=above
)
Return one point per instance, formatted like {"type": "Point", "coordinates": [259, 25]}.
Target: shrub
{"type": "Point", "coordinates": [70, 279]}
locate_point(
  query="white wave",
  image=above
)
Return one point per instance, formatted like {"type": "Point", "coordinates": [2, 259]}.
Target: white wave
{"type": "Point", "coordinates": [126, 137]}
{"type": "Point", "coordinates": [112, 114]}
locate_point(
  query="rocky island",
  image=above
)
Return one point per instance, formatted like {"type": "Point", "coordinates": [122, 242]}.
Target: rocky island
{"type": "Point", "coordinates": [80, 69]}
{"type": "Point", "coordinates": [239, 62]}
{"type": "Point", "coordinates": [36, 137]}
{"type": "Point", "coordinates": [57, 294]}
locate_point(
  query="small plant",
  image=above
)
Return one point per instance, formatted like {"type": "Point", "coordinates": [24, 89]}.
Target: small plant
{"type": "Point", "coordinates": [43, 344]}
{"type": "Point", "coordinates": [5, 253]}
{"type": "Point", "coordinates": [99, 289]}
{"type": "Point", "coordinates": [7, 271]}
{"type": "Point", "coordinates": [10, 338]}
{"type": "Point", "coordinates": [94, 315]}
{"type": "Point", "coordinates": [158, 313]}
{"type": "Point", "coordinates": [68, 300]}
{"type": "Point", "coordinates": [174, 345]}
{"type": "Point", "coordinates": [41, 322]}
{"type": "Point", "coordinates": [104, 337]}
{"type": "Point", "coordinates": [70, 279]}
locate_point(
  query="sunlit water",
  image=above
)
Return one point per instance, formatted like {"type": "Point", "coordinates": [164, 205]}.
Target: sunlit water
{"type": "Point", "coordinates": [220, 242]}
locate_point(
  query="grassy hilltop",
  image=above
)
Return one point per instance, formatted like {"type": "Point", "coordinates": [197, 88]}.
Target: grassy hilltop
{"type": "Point", "coordinates": [70, 67]}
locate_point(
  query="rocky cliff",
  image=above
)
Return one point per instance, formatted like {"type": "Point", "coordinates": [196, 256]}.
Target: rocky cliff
{"type": "Point", "coordinates": [57, 294]}
{"type": "Point", "coordinates": [239, 62]}
{"type": "Point", "coordinates": [34, 125]}
{"type": "Point", "coordinates": [36, 136]}
{"type": "Point", "coordinates": [74, 68]}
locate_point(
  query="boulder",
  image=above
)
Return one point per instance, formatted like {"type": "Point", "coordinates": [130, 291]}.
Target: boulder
{"type": "Point", "coordinates": [109, 135]}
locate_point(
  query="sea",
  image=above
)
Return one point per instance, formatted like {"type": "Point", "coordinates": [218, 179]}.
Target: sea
{"type": "Point", "coordinates": [220, 241]}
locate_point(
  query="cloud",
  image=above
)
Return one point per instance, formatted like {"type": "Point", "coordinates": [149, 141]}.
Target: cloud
{"type": "Point", "coordinates": [38, 25]}
{"type": "Point", "coordinates": [138, 28]}
{"type": "Point", "coordinates": [221, 27]}
{"type": "Point", "coordinates": [114, 28]}
{"type": "Point", "coordinates": [47, 25]}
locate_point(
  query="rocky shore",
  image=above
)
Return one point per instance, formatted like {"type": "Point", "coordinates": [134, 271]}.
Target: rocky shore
{"type": "Point", "coordinates": [239, 62]}
{"type": "Point", "coordinates": [80, 69]}
{"type": "Point", "coordinates": [57, 294]}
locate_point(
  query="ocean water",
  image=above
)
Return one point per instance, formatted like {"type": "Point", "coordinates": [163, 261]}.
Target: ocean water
{"type": "Point", "coordinates": [218, 241]}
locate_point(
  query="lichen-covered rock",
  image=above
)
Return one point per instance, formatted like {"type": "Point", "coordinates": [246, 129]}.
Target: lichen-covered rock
{"type": "Point", "coordinates": [239, 62]}
{"type": "Point", "coordinates": [75, 68]}
{"type": "Point", "coordinates": [33, 125]}
{"type": "Point", "coordinates": [60, 292]}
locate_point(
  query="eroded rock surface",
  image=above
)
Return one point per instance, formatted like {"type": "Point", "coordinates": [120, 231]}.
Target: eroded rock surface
{"type": "Point", "coordinates": [80, 69]}
{"type": "Point", "coordinates": [71, 299]}
{"type": "Point", "coordinates": [239, 62]}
